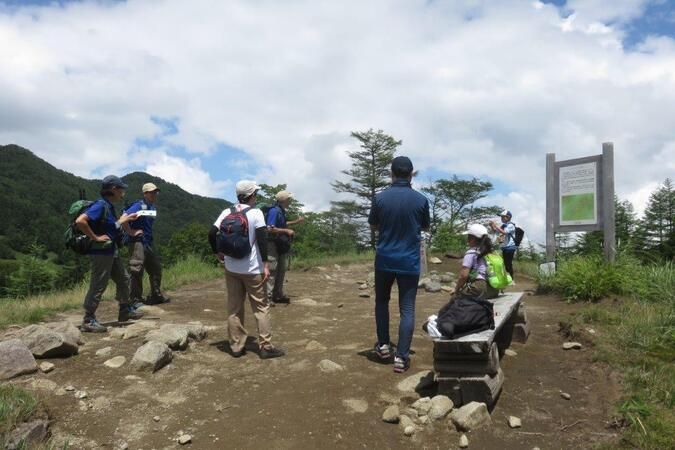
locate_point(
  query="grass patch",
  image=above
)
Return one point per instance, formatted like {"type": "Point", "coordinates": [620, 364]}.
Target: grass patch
{"type": "Point", "coordinates": [16, 406]}
{"type": "Point", "coordinates": [329, 260]}
{"type": "Point", "coordinates": [36, 308]}
{"type": "Point", "coordinates": [636, 336]}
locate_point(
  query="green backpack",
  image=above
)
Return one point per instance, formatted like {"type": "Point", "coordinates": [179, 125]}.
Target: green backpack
{"type": "Point", "coordinates": [74, 238]}
{"type": "Point", "coordinates": [497, 275]}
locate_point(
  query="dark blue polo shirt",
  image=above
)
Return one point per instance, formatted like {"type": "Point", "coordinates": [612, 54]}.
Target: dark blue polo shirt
{"type": "Point", "coordinates": [100, 224]}
{"type": "Point", "coordinates": [400, 214]}
{"type": "Point", "coordinates": [144, 223]}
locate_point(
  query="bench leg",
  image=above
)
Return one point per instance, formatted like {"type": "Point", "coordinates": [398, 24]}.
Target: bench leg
{"type": "Point", "coordinates": [521, 329]}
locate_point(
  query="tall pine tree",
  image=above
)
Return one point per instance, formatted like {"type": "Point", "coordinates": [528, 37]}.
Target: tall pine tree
{"type": "Point", "coordinates": [657, 228]}
{"type": "Point", "coordinates": [369, 174]}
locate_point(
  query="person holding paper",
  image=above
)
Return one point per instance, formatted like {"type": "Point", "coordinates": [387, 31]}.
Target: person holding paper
{"type": "Point", "coordinates": [144, 257]}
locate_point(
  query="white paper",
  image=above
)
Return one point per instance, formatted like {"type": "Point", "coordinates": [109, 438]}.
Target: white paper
{"type": "Point", "coordinates": [147, 213]}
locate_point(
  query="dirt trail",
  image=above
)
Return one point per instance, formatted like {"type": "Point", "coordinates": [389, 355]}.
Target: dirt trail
{"type": "Point", "coordinates": [289, 403]}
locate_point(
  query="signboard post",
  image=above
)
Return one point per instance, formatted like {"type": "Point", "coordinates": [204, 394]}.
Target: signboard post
{"type": "Point", "coordinates": [580, 197]}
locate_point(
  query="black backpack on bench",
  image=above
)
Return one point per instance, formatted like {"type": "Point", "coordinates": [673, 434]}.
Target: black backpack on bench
{"type": "Point", "coordinates": [465, 316]}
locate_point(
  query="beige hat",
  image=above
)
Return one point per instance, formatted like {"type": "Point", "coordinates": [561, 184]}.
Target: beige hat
{"type": "Point", "coordinates": [283, 196]}
{"type": "Point", "coordinates": [246, 188]}
{"type": "Point", "coordinates": [150, 187]}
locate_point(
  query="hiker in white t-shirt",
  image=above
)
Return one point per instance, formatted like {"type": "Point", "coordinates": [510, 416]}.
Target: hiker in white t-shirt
{"type": "Point", "coordinates": [246, 276]}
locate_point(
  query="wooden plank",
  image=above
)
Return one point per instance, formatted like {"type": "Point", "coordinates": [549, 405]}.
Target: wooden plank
{"type": "Point", "coordinates": [550, 207]}
{"type": "Point", "coordinates": [609, 225]}
{"type": "Point", "coordinates": [504, 307]}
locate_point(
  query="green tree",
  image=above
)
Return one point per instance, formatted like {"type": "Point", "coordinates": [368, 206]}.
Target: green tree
{"type": "Point", "coordinates": [267, 197]}
{"type": "Point", "coordinates": [591, 243]}
{"type": "Point", "coordinates": [189, 240]}
{"type": "Point", "coordinates": [369, 174]}
{"type": "Point", "coordinates": [34, 275]}
{"type": "Point", "coordinates": [657, 227]}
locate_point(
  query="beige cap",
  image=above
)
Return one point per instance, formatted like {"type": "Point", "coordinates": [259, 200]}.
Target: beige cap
{"type": "Point", "coordinates": [247, 188]}
{"type": "Point", "coordinates": [283, 196]}
{"type": "Point", "coordinates": [476, 230]}
{"type": "Point", "coordinates": [150, 187]}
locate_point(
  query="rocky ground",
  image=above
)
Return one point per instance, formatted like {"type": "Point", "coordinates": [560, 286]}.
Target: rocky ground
{"type": "Point", "coordinates": [329, 392]}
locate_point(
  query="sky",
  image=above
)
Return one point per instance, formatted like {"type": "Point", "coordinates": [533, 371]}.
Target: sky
{"type": "Point", "coordinates": [204, 93]}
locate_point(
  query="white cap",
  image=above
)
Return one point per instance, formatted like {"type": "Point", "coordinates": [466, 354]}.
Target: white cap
{"type": "Point", "coordinates": [476, 230]}
{"type": "Point", "coordinates": [150, 187]}
{"type": "Point", "coordinates": [506, 212]}
{"type": "Point", "coordinates": [283, 195]}
{"type": "Point", "coordinates": [246, 188]}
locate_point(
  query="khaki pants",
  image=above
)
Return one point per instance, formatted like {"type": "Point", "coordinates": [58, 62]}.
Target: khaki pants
{"type": "Point", "coordinates": [278, 267]}
{"type": "Point", "coordinates": [104, 268]}
{"type": "Point", "coordinates": [239, 288]}
{"type": "Point", "coordinates": [144, 259]}
{"type": "Point", "coordinates": [479, 289]}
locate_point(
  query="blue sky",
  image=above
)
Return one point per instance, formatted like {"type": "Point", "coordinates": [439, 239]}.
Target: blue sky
{"type": "Point", "coordinates": [271, 90]}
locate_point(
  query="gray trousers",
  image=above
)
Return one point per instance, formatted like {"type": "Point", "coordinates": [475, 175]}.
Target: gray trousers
{"type": "Point", "coordinates": [103, 268]}
{"type": "Point", "coordinates": [278, 267]}
{"type": "Point", "coordinates": [144, 259]}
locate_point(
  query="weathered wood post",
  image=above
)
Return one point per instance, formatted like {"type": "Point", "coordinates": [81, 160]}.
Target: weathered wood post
{"type": "Point", "coordinates": [608, 208]}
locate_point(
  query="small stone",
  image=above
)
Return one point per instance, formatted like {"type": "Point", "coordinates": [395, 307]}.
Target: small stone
{"type": "Point", "coordinates": [409, 430]}
{"type": "Point", "coordinates": [105, 351]}
{"type": "Point", "coordinates": [81, 395]}
{"type": "Point", "coordinates": [60, 392]}
{"type": "Point", "coordinates": [515, 422]}
{"type": "Point", "coordinates": [446, 288]}
{"type": "Point", "coordinates": [46, 367]}
{"type": "Point", "coordinates": [156, 418]}
{"type": "Point", "coordinates": [391, 414]}
{"type": "Point", "coordinates": [208, 310]}
{"type": "Point", "coordinates": [364, 287]}
{"type": "Point", "coordinates": [572, 346]}
{"type": "Point", "coordinates": [364, 295]}
{"type": "Point", "coordinates": [423, 420]}
{"type": "Point", "coordinates": [116, 362]}
{"type": "Point", "coordinates": [420, 380]}
{"type": "Point", "coordinates": [152, 356]}
{"type": "Point", "coordinates": [306, 302]}
{"type": "Point", "coordinates": [328, 366]}
{"type": "Point", "coordinates": [423, 283]}
{"type": "Point", "coordinates": [566, 396]}
{"type": "Point", "coordinates": [356, 405]}
{"type": "Point", "coordinates": [83, 406]}
{"type": "Point", "coordinates": [123, 446]}
{"type": "Point", "coordinates": [441, 406]}
{"type": "Point", "coordinates": [510, 352]}
{"type": "Point", "coordinates": [435, 260]}
{"type": "Point", "coordinates": [422, 406]}
{"type": "Point", "coordinates": [463, 441]}
{"type": "Point", "coordinates": [433, 286]}
{"type": "Point", "coordinates": [341, 305]}
{"type": "Point", "coordinates": [70, 388]}
{"type": "Point", "coordinates": [471, 416]}
{"type": "Point", "coordinates": [405, 422]}
{"type": "Point", "coordinates": [184, 439]}
{"type": "Point", "coordinates": [315, 346]}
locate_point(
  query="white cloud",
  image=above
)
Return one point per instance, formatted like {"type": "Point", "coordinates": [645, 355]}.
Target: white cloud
{"type": "Point", "coordinates": [483, 89]}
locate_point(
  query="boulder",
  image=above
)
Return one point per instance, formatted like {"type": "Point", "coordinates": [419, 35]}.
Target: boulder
{"type": "Point", "coordinates": [196, 331]}
{"type": "Point", "coordinates": [68, 330]}
{"type": "Point", "coordinates": [448, 277]}
{"type": "Point", "coordinates": [174, 336]}
{"type": "Point", "coordinates": [441, 406]}
{"type": "Point", "coordinates": [45, 342]}
{"type": "Point", "coordinates": [15, 359]}
{"type": "Point", "coordinates": [420, 380]}
{"type": "Point", "coordinates": [423, 283]}
{"type": "Point", "coordinates": [152, 356]}
{"type": "Point", "coordinates": [134, 330]}
{"type": "Point", "coordinates": [471, 416]}
{"type": "Point", "coordinates": [391, 414]}
{"type": "Point", "coordinates": [27, 435]}
{"type": "Point", "coordinates": [433, 286]}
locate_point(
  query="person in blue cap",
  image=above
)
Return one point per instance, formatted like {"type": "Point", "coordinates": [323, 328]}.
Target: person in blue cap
{"type": "Point", "coordinates": [143, 254]}
{"type": "Point", "coordinates": [507, 232]}
{"type": "Point", "coordinates": [100, 224]}
{"type": "Point", "coordinates": [399, 214]}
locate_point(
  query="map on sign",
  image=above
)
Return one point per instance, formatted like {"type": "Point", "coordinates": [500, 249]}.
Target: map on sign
{"type": "Point", "coordinates": [578, 194]}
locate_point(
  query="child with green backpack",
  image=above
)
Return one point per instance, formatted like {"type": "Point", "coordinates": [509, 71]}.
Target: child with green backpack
{"type": "Point", "coordinates": [482, 274]}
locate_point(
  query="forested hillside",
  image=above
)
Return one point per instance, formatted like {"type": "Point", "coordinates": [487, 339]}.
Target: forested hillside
{"type": "Point", "coordinates": [35, 199]}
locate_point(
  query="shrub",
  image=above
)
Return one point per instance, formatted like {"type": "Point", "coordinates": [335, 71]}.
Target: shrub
{"type": "Point", "coordinates": [587, 278]}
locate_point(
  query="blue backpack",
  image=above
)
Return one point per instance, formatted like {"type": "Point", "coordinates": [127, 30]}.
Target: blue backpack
{"type": "Point", "coordinates": [233, 239]}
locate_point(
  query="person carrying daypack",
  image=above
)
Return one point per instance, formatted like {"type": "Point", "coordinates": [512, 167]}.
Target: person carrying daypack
{"type": "Point", "coordinates": [239, 239]}
{"type": "Point", "coordinates": [100, 225]}
{"type": "Point", "coordinates": [280, 240]}
{"type": "Point", "coordinates": [473, 278]}
{"type": "Point", "coordinates": [508, 236]}
{"type": "Point", "coordinates": [143, 253]}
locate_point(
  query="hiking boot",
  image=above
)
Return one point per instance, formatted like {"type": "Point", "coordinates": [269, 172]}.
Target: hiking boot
{"type": "Point", "coordinates": [128, 313]}
{"type": "Point", "coordinates": [401, 365]}
{"type": "Point", "coordinates": [92, 326]}
{"type": "Point", "coordinates": [283, 299]}
{"type": "Point", "coordinates": [271, 352]}
{"type": "Point", "coordinates": [383, 351]}
{"type": "Point", "coordinates": [238, 354]}
{"type": "Point", "coordinates": [156, 300]}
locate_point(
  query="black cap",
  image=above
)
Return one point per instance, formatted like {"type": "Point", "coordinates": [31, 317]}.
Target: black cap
{"type": "Point", "coordinates": [112, 181]}
{"type": "Point", "coordinates": [402, 167]}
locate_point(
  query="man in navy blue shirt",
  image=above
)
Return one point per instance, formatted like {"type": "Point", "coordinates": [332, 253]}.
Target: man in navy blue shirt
{"type": "Point", "coordinates": [100, 224]}
{"type": "Point", "coordinates": [279, 249]}
{"type": "Point", "coordinates": [399, 214]}
{"type": "Point", "coordinates": [144, 257]}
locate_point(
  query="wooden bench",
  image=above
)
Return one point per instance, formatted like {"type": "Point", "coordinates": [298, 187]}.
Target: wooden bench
{"type": "Point", "coordinates": [467, 368]}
